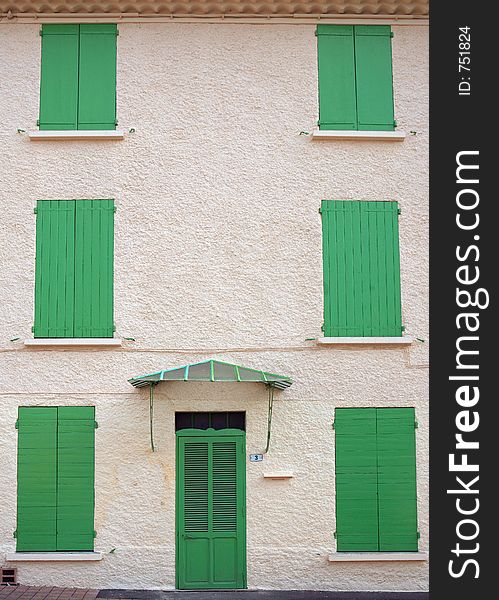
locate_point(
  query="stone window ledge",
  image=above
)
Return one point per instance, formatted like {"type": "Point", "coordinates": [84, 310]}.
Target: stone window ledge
{"type": "Point", "coordinates": [73, 342]}
{"type": "Point", "coordinates": [53, 556]}
{"type": "Point", "coordinates": [377, 556]}
{"type": "Point", "coordinates": [387, 341]}
{"type": "Point", "coordinates": [387, 136]}
{"type": "Point", "coordinates": [113, 134]}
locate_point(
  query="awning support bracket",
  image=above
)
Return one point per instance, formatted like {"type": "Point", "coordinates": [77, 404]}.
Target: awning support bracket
{"type": "Point", "coordinates": [151, 413]}
{"type": "Point", "coordinates": [269, 416]}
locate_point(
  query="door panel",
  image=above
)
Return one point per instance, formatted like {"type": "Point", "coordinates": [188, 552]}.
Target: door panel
{"type": "Point", "coordinates": [211, 527]}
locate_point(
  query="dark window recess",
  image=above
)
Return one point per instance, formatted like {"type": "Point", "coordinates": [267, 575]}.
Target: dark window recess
{"type": "Point", "coordinates": [205, 420]}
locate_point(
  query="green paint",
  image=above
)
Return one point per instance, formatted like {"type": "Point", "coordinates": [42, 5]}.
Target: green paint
{"type": "Point", "coordinates": [74, 268]}
{"type": "Point", "coordinates": [55, 479]}
{"type": "Point", "coordinates": [355, 77]}
{"type": "Point", "coordinates": [361, 269]}
{"type": "Point", "coordinates": [78, 77]}
{"type": "Point", "coordinates": [211, 509]}
{"type": "Point", "coordinates": [376, 506]}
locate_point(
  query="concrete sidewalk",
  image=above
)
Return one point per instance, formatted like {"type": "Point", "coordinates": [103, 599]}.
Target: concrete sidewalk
{"type": "Point", "coordinates": [23, 592]}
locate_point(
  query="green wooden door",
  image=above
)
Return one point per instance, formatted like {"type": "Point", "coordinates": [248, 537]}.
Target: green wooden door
{"type": "Point", "coordinates": [211, 509]}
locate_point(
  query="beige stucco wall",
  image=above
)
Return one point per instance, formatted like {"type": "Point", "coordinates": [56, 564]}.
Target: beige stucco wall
{"type": "Point", "coordinates": [217, 254]}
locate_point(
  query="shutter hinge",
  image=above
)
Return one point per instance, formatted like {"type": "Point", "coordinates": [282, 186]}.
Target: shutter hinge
{"type": "Point", "coordinates": [320, 210]}
{"type": "Point", "coordinates": [419, 534]}
{"type": "Point", "coordinates": [334, 535]}
{"type": "Point", "coordinates": [332, 425]}
{"type": "Point", "coordinates": [116, 121]}
{"type": "Point", "coordinates": [14, 534]}
{"type": "Point", "coordinates": [391, 34]}
{"type": "Point", "coordinates": [416, 424]}
{"type": "Point", "coordinates": [399, 211]}
{"type": "Point", "coordinates": [395, 123]}
{"type": "Point", "coordinates": [114, 327]}
{"type": "Point", "coordinates": [402, 328]}
{"type": "Point", "coordinates": [322, 327]}
{"type": "Point", "coordinates": [38, 122]}
{"type": "Point", "coordinates": [40, 31]}
{"type": "Point", "coordinates": [17, 424]}
{"type": "Point", "coordinates": [117, 32]}
{"type": "Point", "coordinates": [115, 208]}
{"type": "Point", "coordinates": [95, 534]}
{"type": "Point", "coordinates": [35, 210]}
{"type": "Point", "coordinates": [96, 425]}
{"type": "Point", "coordinates": [32, 329]}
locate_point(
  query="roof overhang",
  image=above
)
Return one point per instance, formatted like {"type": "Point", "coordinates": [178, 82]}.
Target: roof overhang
{"type": "Point", "coordinates": [210, 10]}
{"type": "Point", "coordinates": [213, 371]}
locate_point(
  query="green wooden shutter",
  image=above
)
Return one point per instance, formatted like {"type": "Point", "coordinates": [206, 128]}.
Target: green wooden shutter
{"type": "Point", "coordinates": [211, 509]}
{"type": "Point", "coordinates": [59, 77]}
{"type": "Point", "coordinates": [94, 268]}
{"type": "Point", "coordinates": [75, 478]}
{"type": "Point", "coordinates": [361, 269]}
{"type": "Point", "coordinates": [54, 273]}
{"type": "Point", "coordinates": [36, 479]}
{"type": "Point", "coordinates": [397, 479]}
{"type": "Point", "coordinates": [373, 65]}
{"type": "Point", "coordinates": [337, 101]}
{"type": "Point", "coordinates": [356, 480]}
{"type": "Point", "coordinates": [97, 76]}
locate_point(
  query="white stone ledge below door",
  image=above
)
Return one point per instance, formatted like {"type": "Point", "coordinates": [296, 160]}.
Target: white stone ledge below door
{"type": "Point", "coordinates": [81, 134]}
{"type": "Point", "coordinates": [387, 341]}
{"type": "Point", "coordinates": [73, 342]}
{"type": "Point", "coordinates": [53, 556]}
{"type": "Point", "coordinates": [354, 134]}
{"type": "Point", "coordinates": [377, 556]}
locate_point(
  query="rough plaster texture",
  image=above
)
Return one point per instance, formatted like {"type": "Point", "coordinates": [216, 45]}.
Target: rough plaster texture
{"type": "Point", "coordinates": [217, 254]}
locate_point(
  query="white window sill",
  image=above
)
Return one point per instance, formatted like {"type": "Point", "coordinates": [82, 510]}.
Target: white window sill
{"type": "Point", "coordinates": [387, 136]}
{"type": "Point", "coordinates": [112, 134]}
{"type": "Point", "coordinates": [386, 341]}
{"type": "Point", "coordinates": [377, 556]}
{"type": "Point", "coordinates": [53, 556]}
{"type": "Point", "coordinates": [57, 342]}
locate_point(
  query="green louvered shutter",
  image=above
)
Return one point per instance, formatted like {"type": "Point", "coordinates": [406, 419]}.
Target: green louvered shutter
{"type": "Point", "coordinates": [97, 78]}
{"type": "Point", "coordinates": [94, 268]}
{"type": "Point", "coordinates": [59, 77]}
{"type": "Point", "coordinates": [397, 479]}
{"type": "Point", "coordinates": [356, 480]}
{"type": "Point", "coordinates": [361, 269]}
{"type": "Point", "coordinates": [373, 65]}
{"type": "Point", "coordinates": [36, 479]}
{"type": "Point", "coordinates": [75, 478]}
{"type": "Point", "coordinates": [54, 273]}
{"type": "Point", "coordinates": [211, 547]}
{"type": "Point", "coordinates": [337, 101]}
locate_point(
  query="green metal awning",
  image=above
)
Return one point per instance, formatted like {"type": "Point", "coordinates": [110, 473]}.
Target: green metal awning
{"type": "Point", "coordinates": [214, 370]}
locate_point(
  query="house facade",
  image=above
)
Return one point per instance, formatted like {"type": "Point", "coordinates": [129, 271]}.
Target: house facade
{"type": "Point", "coordinates": [214, 294]}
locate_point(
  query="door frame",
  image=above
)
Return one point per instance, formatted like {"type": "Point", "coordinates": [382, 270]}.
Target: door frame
{"type": "Point", "coordinates": [211, 433]}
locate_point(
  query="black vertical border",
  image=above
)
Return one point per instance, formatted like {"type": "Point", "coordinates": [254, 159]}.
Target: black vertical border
{"type": "Point", "coordinates": [462, 123]}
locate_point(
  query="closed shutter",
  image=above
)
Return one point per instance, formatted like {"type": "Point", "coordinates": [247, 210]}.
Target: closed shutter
{"type": "Point", "coordinates": [397, 479]}
{"type": "Point", "coordinates": [36, 479]}
{"type": "Point", "coordinates": [74, 268]}
{"type": "Point", "coordinates": [373, 65]}
{"type": "Point", "coordinates": [75, 478]}
{"type": "Point", "coordinates": [54, 273]}
{"type": "Point", "coordinates": [59, 77]}
{"type": "Point", "coordinates": [361, 268]}
{"type": "Point", "coordinates": [356, 480]}
{"type": "Point", "coordinates": [94, 268]}
{"type": "Point", "coordinates": [337, 101]}
{"type": "Point", "coordinates": [97, 78]}
{"type": "Point", "coordinates": [376, 501]}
